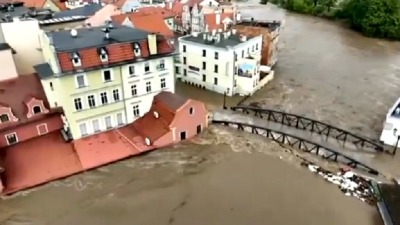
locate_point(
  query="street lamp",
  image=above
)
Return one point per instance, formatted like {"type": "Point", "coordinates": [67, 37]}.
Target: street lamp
{"type": "Point", "coordinates": [397, 141]}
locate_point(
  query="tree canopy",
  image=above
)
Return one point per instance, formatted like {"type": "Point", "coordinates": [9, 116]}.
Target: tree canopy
{"type": "Point", "coordinates": [375, 18]}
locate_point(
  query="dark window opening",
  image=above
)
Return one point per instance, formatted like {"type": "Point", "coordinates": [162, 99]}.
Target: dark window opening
{"type": "Point", "coordinates": [191, 110]}
{"type": "Point", "coordinates": [204, 65]}
{"type": "Point", "coordinates": [183, 135]}
{"type": "Point", "coordinates": [204, 53]}
{"type": "Point", "coordinates": [4, 118]}
{"type": "Point", "coordinates": [37, 110]}
{"type": "Point", "coordinates": [215, 68]}
{"type": "Point", "coordinates": [51, 86]}
{"type": "Point", "coordinates": [204, 78]}
{"type": "Point", "coordinates": [12, 139]}
{"type": "Point", "coordinates": [198, 129]}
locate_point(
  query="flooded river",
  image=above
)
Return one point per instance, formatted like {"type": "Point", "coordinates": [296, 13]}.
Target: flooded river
{"type": "Point", "coordinates": [324, 71]}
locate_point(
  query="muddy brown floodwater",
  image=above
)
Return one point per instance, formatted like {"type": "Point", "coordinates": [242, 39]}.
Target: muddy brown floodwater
{"type": "Point", "coordinates": [225, 177]}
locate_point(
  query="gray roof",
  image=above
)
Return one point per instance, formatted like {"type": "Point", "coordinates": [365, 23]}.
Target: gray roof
{"type": "Point", "coordinates": [94, 37]}
{"type": "Point", "coordinates": [231, 41]}
{"type": "Point", "coordinates": [87, 10]}
{"type": "Point", "coordinates": [44, 70]}
{"type": "Point", "coordinates": [62, 20]}
{"type": "Point", "coordinates": [4, 46]}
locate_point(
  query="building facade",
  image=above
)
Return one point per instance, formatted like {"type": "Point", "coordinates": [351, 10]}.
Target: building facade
{"type": "Point", "coordinates": [104, 77]}
{"type": "Point", "coordinates": [224, 62]}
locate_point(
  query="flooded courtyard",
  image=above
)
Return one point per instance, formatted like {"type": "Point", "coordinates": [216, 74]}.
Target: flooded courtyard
{"type": "Point", "coordinates": [225, 177]}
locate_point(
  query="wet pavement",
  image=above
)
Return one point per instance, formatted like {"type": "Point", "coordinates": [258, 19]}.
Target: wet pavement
{"type": "Point", "coordinates": [325, 71]}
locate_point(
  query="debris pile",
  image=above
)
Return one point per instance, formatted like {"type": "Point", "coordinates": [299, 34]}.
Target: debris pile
{"type": "Point", "coordinates": [349, 183]}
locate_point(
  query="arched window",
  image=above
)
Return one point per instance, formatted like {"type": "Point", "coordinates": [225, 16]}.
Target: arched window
{"type": "Point", "coordinates": [37, 109]}
{"type": "Point", "coordinates": [191, 110]}
{"type": "Point", "coordinates": [4, 118]}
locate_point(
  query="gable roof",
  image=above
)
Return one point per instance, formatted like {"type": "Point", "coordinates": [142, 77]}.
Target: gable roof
{"type": "Point", "coordinates": [14, 93]}
{"type": "Point", "coordinates": [211, 22]}
{"type": "Point", "coordinates": [153, 23]}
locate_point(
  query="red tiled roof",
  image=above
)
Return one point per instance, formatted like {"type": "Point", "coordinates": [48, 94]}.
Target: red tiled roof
{"type": "Point", "coordinates": [166, 105]}
{"type": "Point", "coordinates": [60, 5]}
{"type": "Point", "coordinates": [210, 20]}
{"type": "Point", "coordinates": [34, 3]}
{"type": "Point", "coordinates": [165, 13]}
{"type": "Point", "coordinates": [153, 23]}
{"type": "Point", "coordinates": [119, 19]}
{"type": "Point", "coordinates": [14, 93]}
{"type": "Point", "coordinates": [177, 8]}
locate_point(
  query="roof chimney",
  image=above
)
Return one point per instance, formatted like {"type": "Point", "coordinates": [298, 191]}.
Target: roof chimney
{"type": "Point", "coordinates": [74, 33]}
{"type": "Point", "coordinates": [106, 33]}
{"type": "Point", "coordinates": [194, 34]}
{"type": "Point", "coordinates": [233, 31]}
{"type": "Point", "coordinates": [243, 38]}
{"type": "Point", "coordinates": [217, 17]}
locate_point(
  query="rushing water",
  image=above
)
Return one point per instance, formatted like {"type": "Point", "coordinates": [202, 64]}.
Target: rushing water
{"type": "Point", "coordinates": [226, 177]}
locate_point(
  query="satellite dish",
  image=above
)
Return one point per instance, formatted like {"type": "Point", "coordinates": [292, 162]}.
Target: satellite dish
{"type": "Point", "coordinates": [74, 33]}
{"type": "Point", "coordinates": [147, 141]}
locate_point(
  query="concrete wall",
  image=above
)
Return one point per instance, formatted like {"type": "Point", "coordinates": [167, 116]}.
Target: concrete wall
{"type": "Point", "coordinates": [7, 65]}
{"type": "Point", "coordinates": [23, 37]}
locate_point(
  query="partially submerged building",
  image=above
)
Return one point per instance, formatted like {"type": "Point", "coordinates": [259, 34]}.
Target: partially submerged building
{"type": "Point", "coordinates": [222, 61]}
{"type": "Point", "coordinates": [270, 31]}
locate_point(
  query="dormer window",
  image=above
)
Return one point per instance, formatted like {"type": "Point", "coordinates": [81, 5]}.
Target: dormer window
{"type": "Point", "coordinates": [136, 48]}
{"type": "Point", "coordinates": [103, 54]}
{"type": "Point", "coordinates": [76, 59]}
{"type": "Point", "coordinates": [4, 118]}
{"type": "Point", "coordinates": [37, 109]}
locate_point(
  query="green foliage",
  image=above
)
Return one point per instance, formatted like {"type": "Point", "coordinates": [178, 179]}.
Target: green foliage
{"type": "Point", "coordinates": [314, 7]}
{"type": "Point", "coordinates": [263, 2]}
{"type": "Point", "coordinates": [375, 18]}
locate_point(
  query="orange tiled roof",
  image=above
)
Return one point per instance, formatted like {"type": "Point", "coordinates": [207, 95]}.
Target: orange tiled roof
{"type": "Point", "coordinates": [34, 3]}
{"type": "Point", "coordinates": [177, 8]}
{"type": "Point", "coordinates": [15, 92]}
{"type": "Point", "coordinates": [118, 19]}
{"type": "Point", "coordinates": [165, 13]}
{"type": "Point", "coordinates": [153, 23]}
{"type": "Point", "coordinates": [210, 20]}
{"type": "Point", "coordinates": [60, 5]}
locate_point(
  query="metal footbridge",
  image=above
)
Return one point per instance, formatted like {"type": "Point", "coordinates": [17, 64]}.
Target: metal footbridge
{"type": "Point", "coordinates": [309, 135]}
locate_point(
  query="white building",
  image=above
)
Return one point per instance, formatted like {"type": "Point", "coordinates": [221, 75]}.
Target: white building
{"type": "Point", "coordinates": [221, 61]}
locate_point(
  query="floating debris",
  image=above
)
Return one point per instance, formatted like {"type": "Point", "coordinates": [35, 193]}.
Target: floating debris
{"type": "Point", "coordinates": [349, 182]}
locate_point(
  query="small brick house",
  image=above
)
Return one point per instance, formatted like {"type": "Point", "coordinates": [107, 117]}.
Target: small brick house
{"type": "Point", "coordinates": [171, 118]}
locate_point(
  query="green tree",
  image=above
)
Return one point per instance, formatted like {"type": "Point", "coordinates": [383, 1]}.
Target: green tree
{"type": "Point", "coordinates": [376, 18]}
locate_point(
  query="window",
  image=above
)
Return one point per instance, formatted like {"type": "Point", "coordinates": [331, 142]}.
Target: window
{"type": "Point", "coordinates": [216, 55]}
{"type": "Point", "coordinates": [12, 138]}
{"type": "Point", "coordinates": [163, 83]}
{"type": "Point", "coordinates": [215, 81]}
{"type": "Point", "coordinates": [81, 81]}
{"type": "Point", "coordinates": [136, 112]}
{"type": "Point", "coordinates": [103, 97]}
{"type": "Point", "coordinates": [235, 56]}
{"type": "Point", "coordinates": [148, 86]}
{"type": "Point", "coordinates": [184, 72]}
{"type": "Point", "coordinates": [198, 129]}
{"type": "Point", "coordinates": [78, 104]}
{"type": "Point", "coordinates": [96, 125]}
{"type": "Point", "coordinates": [37, 109]}
{"type": "Point", "coordinates": [184, 48]}
{"type": "Point", "coordinates": [194, 68]}
{"type": "Point", "coordinates": [147, 67]}
{"type": "Point", "coordinates": [137, 51]}
{"type": "Point", "coordinates": [204, 65]}
{"type": "Point", "coordinates": [76, 60]}
{"type": "Point", "coordinates": [252, 48]}
{"type": "Point", "coordinates": [161, 66]}
{"type": "Point", "coordinates": [120, 119]}
{"type": "Point", "coordinates": [183, 135]}
{"type": "Point", "coordinates": [204, 78]}
{"type": "Point", "coordinates": [242, 53]}
{"type": "Point", "coordinates": [191, 111]}
{"type": "Point", "coordinates": [184, 60]}
{"type": "Point", "coordinates": [131, 70]}
{"type": "Point", "coordinates": [103, 54]}
{"type": "Point", "coordinates": [4, 118]}
{"type": "Point", "coordinates": [83, 129]}
{"type": "Point", "coordinates": [116, 95]}
{"type": "Point", "coordinates": [215, 68]}
{"type": "Point", "coordinates": [177, 70]}
{"type": "Point", "coordinates": [108, 122]}
{"type": "Point", "coordinates": [91, 101]}
{"type": "Point", "coordinates": [134, 90]}
{"type": "Point", "coordinates": [107, 76]}
{"type": "Point", "coordinates": [257, 46]}
{"type": "Point", "coordinates": [204, 53]}
{"type": "Point", "coordinates": [51, 86]}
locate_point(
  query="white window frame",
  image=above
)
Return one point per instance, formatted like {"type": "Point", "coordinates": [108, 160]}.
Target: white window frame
{"type": "Point", "coordinates": [148, 87]}
{"type": "Point", "coordinates": [76, 57]}
{"type": "Point", "coordinates": [111, 75]}
{"type": "Point", "coordinates": [136, 90]}
{"type": "Point", "coordinates": [129, 70]}
{"type": "Point", "coordinates": [40, 109]}
{"type": "Point", "coordinates": [103, 55]}
{"type": "Point", "coordinates": [94, 99]}
{"type": "Point", "coordinates": [84, 80]}
{"type": "Point", "coordinates": [105, 122]}
{"type": "Point", "coordinates": [144, 67]}
{"type": "Point", "coordinates": [86, 128]}
{"type": "Point", "coordinates": [16, 138]}
{"type": "Point", "coordinates": [77, 110]}
{"type": "Point", "coordinates": [161, 64]}
{"type": "Point", "coordinates": [8, 118]}
{"type": "Point", "coordinates": [136, 107]}
{"type": "Point", "coordinates": [119, 95]}
{"type": "Point", "coordinates": [122, 119]}
{"type": "Point", "coordinates": [42, 124]}
{"type": "Point", "coordinates": [101, 100]}
{"type": "Point", "coordinates": [163, 82]}
{"type": "Point", "coordinates": [92, 122]}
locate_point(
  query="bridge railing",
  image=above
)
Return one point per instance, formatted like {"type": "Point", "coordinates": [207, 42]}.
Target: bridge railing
{"type": "Point", "coordinates": [300, 143]}
{"type": "Point", "coordinates": [312, 125]}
